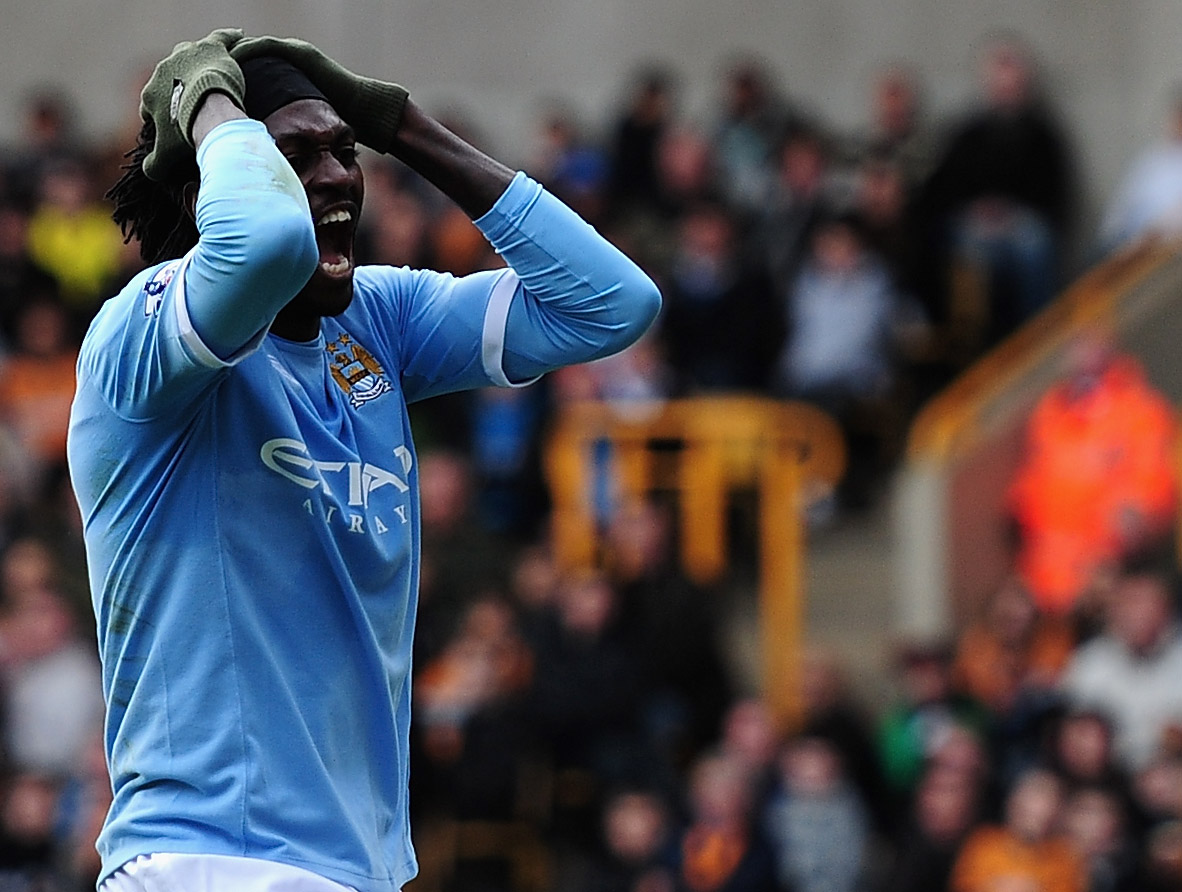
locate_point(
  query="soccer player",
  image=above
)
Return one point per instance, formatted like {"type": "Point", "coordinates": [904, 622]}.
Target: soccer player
{"type": "Point", "coordinates": [240, 449]}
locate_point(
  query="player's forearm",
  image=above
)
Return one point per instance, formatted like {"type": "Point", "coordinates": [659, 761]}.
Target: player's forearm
{"type": "Point", "coordinates": [580, 298]}
{"type": "Point", "coordinates": [257, 246]}
{"type": "Point", "coordinates": [462, 172]}
{"type": "Point", "coordinates": [217, 108]}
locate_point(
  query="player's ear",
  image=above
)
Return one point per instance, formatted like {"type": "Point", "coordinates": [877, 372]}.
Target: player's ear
{"type": "Point", "coordinates": [190, 199]}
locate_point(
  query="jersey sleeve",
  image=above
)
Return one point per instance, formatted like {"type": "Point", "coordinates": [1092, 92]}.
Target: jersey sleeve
{"type": "Point", "coordinates": [577, 297]}
{"type": "Point", "coordinates": [568, 296]}
{"type": "Point", "coordinates": [175, 329]}
{"type": "Point", "coordinates": [443, 331]}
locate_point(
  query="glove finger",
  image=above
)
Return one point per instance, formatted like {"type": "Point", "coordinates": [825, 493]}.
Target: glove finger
{"type": "Point", "coordinates": [166, 157]}
{"type": "Point", "coordinates": [152, 167]}
{"type": "Point", "coordinates": [253, 47]}
{"type": "Point", "coordinates": [306, 56]}
{"type": "Point", "coordinates": [227, 37]}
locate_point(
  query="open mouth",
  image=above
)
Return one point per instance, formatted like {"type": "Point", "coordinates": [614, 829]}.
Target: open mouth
{"type": "Point", "coordinates": [334, 236]}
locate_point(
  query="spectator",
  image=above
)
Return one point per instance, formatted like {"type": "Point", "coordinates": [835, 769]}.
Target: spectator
{"type": "Point", "coordinates": [22, 279]}
{"type": "Point", "coordinates": [533, 585]}
{"type": "Point", "coordinates": [673, 628]}
{"type": "Point", "coordinates": [637, 826]}
{"type": "Point", "coordinates": [720, 325]}
{"type": "Point", "coordinates": [634, 180]}
{"type": "Point", "coordinates": [473, 739]}
{"type": "Point", "coordinates": [1131, 670]}
{"type": "Point", "coordinates": [830, 712]}
{"type": "Point", "coordinates": [48, 135]}
{"type": "Point", "coordinates": [72, 236]}
{"type": "Point", "coordinates": [1001, 191]}
{"type": "Point", "coordinates": [1157, 789]}
{"type": "Point", "coordinates": [395, 221]}
{"type": "Point", "coordinates": [506, 448]}
{"type": "Point", "coordinates": [1012, 651]}
{"type": "Point", "coordinates": [27, 846]}
{"type": "Point", "coordinates": [884, 205]}
{"type": "Point", "coordinates": [752, 121]}
{"type": "Point", "coordinates": [841, 311]}
{"type": "Point", "coordinates": [585, 700]}
{"type": "Point", "coordinates": [885, 211]}
{"type": "Point", "coordinates": [797, 199]}
{"type": "Point", "coordinates": [53, 698]}
{"type": "Point", "coordinates": [1080, 751]}
{"type": "Point", "coordinates": [817, 824]}
{"type": "Point", "coordinates": [1009, 659]}
{"type": "Point", "coordinates": [944, 811]}
{"type": "Point", "coordinates": [750, 738]}
{"type": "Point", "coordinates": [570, 165]}
{"type": "Point", "coordinates": [897, 133]}
{"type": "Point", "coordinates": [37, 382]}
{"type": "Point", "coordinates": [18, 489]}
{"type": "Point", "coordinates": [1024, 853]}
{"type": "Point", "coordinates": [633, 381]}
{"type": "Point", "coordinates": [449, 524]}
{"type": "Point", "coordinates": [844, 320]}
{"type": "Point", "coordinates": [1097, 481]}
{"type": "Point", "coordinates": [82, 807]}
{"type": "Point", "coordinates": [929, 717]}
{"type": "Point", "coordinates": [456, 243]}
{"type": "Point", "coordinates": [1163, 860]}
{"type": "Point", "coordinates": [1095, 822]}
{"type": "Point", "coordinates": [721, 849]}
{"type": "Point", "coordinates": [1148, 201]}
{"type": "Point", "coordinates": [687, 169]}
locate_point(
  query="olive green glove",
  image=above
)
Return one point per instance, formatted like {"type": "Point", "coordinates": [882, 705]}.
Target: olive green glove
{"type": "Point", "coordinates": [371, 107]}
{"type": "Point", "coordinates": [173, 94]}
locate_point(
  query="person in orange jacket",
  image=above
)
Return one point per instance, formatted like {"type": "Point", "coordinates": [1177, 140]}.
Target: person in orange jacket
{"type": "Point", "coordinates": [1098, 479]}
{"type": "Point", "coordinates": [1023, 854]}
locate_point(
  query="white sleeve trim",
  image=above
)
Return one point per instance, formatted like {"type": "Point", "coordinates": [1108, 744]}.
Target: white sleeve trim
{"type": "Point", "coordinates": [496, 319]}
{"type": "Point", "coordinates": [189, 335]}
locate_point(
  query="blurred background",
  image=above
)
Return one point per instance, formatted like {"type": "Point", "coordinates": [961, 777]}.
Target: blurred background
{"type": "Point", "coordinates": [859, 572]}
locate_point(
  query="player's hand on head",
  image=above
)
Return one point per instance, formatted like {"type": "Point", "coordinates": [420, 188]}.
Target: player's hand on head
{"type": "Point", "coordinates": [373, 108]}
{"type": "Point", "coordinates": [174, 93]}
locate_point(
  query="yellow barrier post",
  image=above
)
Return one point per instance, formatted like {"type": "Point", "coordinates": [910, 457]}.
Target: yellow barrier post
{"type": "Point", "coordinates": [725, 443]}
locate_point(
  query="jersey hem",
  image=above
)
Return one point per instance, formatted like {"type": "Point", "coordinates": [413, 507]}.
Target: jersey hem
{"type": "Point", "coordinates": [390, 883]}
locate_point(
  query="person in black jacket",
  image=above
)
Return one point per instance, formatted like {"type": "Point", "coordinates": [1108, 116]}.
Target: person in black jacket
{"type": "Point", "coordinates": [1000, 195]}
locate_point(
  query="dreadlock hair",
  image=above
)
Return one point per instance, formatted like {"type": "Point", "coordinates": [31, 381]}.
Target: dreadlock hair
{"type": "Point", "coordinates": [154, 213]}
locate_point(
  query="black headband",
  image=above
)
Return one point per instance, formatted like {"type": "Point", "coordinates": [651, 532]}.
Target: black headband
{"type": "Point", "coordinates": [272, 83]}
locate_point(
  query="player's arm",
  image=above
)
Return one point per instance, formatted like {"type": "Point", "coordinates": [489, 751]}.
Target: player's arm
{"type": "Point", "coordinates": [459, 170]}
{"type": "Point", "coordinates": [574, 296]}
{"type": "Point", "coordinates": [215, 108]}
{"type": "Point", "coordinates": [257, 245]}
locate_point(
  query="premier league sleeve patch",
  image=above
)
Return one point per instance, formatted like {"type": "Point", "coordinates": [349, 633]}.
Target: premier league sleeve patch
{"type": "Point", "coordinates": [154, 288]}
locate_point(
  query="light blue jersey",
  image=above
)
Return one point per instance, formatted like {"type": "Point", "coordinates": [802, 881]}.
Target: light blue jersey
{"type": "Point", "coordinates": [252, 522]}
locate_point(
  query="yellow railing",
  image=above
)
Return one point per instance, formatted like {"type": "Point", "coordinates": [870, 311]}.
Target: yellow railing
{"type": "Point", "coordinates": [701, 450]}
{"type": "Point", "coordinates": [951, 420]}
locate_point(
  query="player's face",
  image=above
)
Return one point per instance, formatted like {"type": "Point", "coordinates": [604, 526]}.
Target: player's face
{"type": "Point", "coordinates": [323, 152]}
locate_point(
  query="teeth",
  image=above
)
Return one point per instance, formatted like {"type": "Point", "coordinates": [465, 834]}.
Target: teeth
{"type": "Point", "coordinates": [338, 216]}
{"type": "Point", "coordinates": [337, 268]}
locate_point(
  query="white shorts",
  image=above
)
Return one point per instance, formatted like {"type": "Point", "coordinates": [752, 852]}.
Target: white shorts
{"type": "Point", "coordinates": [214, 873]}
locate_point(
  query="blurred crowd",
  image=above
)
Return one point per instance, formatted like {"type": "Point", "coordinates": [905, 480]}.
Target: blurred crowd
{"type": "Point", "coordinates": [585, 730]}
{"type": "Point", "coordinates": [588, 729]}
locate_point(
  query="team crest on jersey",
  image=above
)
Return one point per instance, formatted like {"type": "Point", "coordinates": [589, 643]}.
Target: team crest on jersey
{"type": "Point", "coordinates": [356, 371]}
{"type": "Point", "coordinates": [154, 287]}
